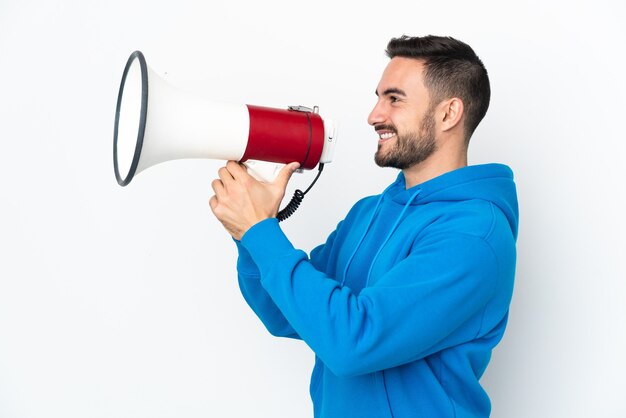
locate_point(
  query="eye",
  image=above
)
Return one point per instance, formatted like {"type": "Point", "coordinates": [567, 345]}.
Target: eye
{"type": "Point", "coordinates": [393, 99]}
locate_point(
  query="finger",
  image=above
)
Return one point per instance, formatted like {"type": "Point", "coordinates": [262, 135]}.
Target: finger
{"type": "Point", "coordinates": [225, 176]}
{"type": "Point", "coordinates": [213, 203]}
{"type": "Point", "coordinates": [285, 174]}
{"type": "Point", "coordinates": [217, 186]}
{"type": "Point", "coordinates": [236, 170]}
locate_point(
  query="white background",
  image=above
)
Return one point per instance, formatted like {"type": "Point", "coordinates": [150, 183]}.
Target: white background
{"type": "Point", "coordinates": [122, 302]}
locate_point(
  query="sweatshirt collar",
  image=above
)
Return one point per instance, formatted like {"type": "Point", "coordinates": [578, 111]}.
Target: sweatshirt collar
{"type": "Point", "coordinates": [447, 185]}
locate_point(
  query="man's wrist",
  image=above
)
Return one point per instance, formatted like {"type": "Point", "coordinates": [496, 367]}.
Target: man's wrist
{"type": "Point", "coordinates": [242, 230]}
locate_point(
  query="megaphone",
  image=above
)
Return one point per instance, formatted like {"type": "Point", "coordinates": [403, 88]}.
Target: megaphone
{"type": "Point", "coordinates": [156, 122]}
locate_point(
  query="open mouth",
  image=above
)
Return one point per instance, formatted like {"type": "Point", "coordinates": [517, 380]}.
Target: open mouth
{"type": "Point", "coordinates": [385, 132]}
{"type": "Point", "coordinates": [386, 135]}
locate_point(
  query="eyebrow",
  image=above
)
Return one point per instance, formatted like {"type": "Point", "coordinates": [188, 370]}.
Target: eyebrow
{"type": "Point", "coordinates": [392, 90]}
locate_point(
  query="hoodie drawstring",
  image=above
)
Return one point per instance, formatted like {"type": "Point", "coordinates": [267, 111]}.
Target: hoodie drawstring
{"type": "Point", "coordinates": [369, 225]}
{"type": "Point", "coordinates": [391, 231]}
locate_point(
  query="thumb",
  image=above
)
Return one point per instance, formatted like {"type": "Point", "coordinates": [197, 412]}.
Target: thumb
{"type": "Point", "coordinates": [285, 174]}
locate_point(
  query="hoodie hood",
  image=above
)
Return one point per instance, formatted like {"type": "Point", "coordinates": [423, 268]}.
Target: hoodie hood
{"type": "Point", "coordinates": [490, 182]}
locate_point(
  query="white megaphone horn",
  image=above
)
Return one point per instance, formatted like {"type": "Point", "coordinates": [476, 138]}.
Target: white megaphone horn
{"type": "Point", "coordinates": [155, 122]}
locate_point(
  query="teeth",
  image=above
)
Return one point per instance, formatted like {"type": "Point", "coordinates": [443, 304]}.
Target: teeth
{"type": "Point", "coordinates": [387, 135]}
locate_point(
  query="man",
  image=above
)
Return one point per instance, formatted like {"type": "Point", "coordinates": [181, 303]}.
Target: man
{"type": "Point", "coordinates": [405, 301]}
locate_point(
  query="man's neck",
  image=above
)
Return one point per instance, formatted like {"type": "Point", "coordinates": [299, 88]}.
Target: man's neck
{"type": "Point", "coordinates": [434, 166]}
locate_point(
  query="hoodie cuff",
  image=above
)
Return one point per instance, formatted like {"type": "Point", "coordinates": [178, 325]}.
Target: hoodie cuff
{"type": "Point", "coordinates": [265, 242]}
{"type": "Point", "coordinates": [245, 263]}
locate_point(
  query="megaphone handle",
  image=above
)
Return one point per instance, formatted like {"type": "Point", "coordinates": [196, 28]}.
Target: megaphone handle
{"type": "Point", "coordinates": [263, 170]}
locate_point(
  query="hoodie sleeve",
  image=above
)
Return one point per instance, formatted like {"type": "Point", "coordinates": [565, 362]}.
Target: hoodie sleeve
{"type": "Point", "coordinates": [258, 299]}
{"type": "Point", "coordinates": [426, 303]}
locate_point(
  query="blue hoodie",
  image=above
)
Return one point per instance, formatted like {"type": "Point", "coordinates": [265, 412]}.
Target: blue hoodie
{"type": "Point", "coordinates": [404, 302]}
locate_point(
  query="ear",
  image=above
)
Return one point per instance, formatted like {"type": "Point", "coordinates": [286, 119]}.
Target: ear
{"type": "Point", "coordinates": [453, 111]}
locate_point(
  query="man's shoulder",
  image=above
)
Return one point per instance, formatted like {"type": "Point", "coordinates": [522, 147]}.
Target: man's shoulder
{"type": "Point", "coordinates": [476, 217]}
{"type": "Point", "coordinates": [364, 204]}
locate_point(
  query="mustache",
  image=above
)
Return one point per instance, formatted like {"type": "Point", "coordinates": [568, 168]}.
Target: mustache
{"type": "Point", "coordinates": [385, 128]}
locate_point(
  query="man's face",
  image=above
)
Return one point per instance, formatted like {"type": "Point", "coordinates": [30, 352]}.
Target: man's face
{"type": "Point", "coordinates": [403, 117]}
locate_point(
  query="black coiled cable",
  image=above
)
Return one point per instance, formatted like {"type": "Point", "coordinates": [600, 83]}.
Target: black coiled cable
{"type": "Point", "coordinates": [297, 198]}
{"type": "Point", "coordinates": [292, 206]}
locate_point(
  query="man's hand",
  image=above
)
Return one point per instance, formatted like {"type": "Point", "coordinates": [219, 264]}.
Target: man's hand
{"type": "Point", "coordinates": [240, 201]}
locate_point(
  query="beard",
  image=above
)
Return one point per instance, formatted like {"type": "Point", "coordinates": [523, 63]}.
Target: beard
{"type": "Point", "coordinates": [410, 148]}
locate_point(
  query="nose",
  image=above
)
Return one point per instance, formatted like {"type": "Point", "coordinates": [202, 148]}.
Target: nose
{"type": "Point", "coordinates": [376, 116]}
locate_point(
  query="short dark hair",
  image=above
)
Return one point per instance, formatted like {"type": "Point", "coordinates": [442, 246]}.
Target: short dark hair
{"type": "Point", "coordinates": [451, 69]}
